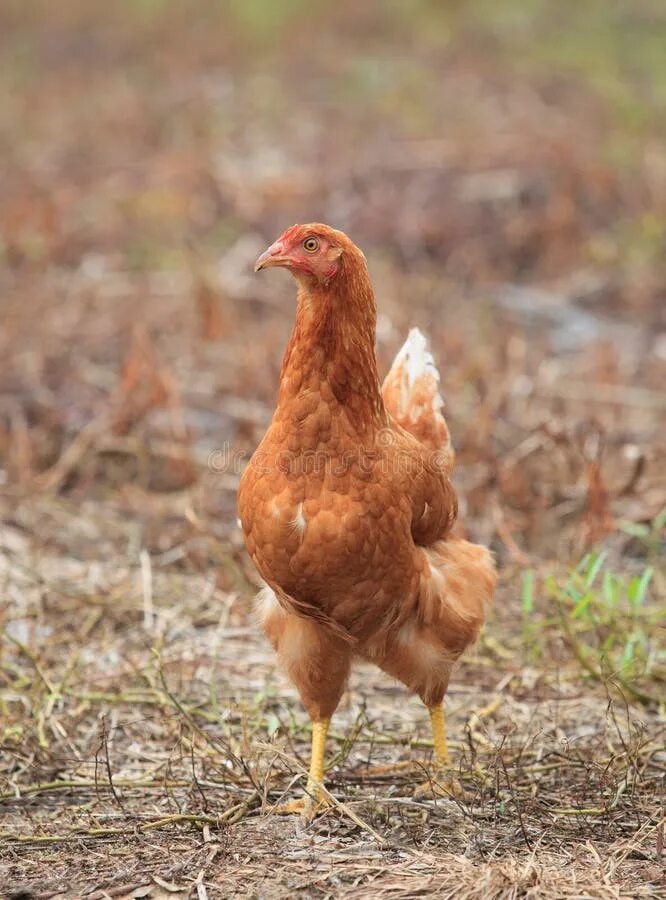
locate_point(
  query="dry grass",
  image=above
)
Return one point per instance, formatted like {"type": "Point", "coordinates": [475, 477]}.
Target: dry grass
{"type": "Point", "coordinates": [140, 747]}
{"type": "Point", "coordinates": [514, 214]}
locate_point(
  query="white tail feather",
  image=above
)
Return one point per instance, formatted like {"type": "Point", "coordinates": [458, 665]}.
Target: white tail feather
{"type": "Point", "coordinates": [413, 361]}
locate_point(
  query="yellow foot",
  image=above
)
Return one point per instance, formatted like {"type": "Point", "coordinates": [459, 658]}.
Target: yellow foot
{"type": "Point", "coordinates": [388, 770]}
{"type": "Point", "coordinates": [314, 801]}
{"type": "Point", "coordinates": [305, 807]}
{"type": "Point", "coordinates": [442, 783]}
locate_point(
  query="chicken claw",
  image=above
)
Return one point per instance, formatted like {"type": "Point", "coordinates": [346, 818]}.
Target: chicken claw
{"type": "Point", "coordinates": [391, 769]}
{"type": "Point", "coordinates": [315, 800]}
{"type": "Point", "coordinates": [443, 783]}
{"type": "Point", "coordinates": [305, 807]}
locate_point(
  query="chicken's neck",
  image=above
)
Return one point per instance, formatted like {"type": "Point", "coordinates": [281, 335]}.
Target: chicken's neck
{"type": "Point", "coordinates": [331, 351]}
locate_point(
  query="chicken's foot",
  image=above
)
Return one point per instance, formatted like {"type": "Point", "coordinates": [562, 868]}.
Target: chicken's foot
{"type": "Point", "coordinates": [438, 725]}
{"type": "Point", "coordinates": [388, 770]}
{"type": "Point", "coordinates": [442, 783]}
{"type": "Point", "coordinates": [315, 799]}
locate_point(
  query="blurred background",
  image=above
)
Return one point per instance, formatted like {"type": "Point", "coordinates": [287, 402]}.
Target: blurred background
{"type": "Point", "coordinates": [503, 166]}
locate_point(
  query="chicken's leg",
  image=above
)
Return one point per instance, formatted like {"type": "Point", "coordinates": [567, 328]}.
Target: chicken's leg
{"type": "Point", "coordinates": [441, 783]}
{"type": "Point", "coordinates": [314, 794]}
{"type": "Point", "coordinates": [438, 725]}
{"type": "Point", "coordinates": [317, 662]}
{"type": "Point", "coordinates": [317, 754]}
{"type": "Point", "coordinates": [413, 665]}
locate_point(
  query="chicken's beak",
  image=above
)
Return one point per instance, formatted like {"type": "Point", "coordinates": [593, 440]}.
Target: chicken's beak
{"type": "Point", "coordinates": [274, 256]}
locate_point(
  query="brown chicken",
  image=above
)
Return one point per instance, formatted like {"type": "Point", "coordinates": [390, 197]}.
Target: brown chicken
{"type": "Point", "coordinates": [346, 505]}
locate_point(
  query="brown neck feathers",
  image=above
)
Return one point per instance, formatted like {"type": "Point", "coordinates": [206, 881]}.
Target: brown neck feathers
{"type": "Point", "coordinates": [332, 345]}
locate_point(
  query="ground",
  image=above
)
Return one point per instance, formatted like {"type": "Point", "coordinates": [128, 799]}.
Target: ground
{"type": "Point", "coordinates": [504, 168]}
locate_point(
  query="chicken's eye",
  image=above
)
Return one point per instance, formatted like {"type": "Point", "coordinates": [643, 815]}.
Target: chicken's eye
{"type": "Point", "coordinates": [311, 244]}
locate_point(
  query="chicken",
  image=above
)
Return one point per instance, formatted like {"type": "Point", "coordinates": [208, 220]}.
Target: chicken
{"type": "Point", "coordinates": [347, 507]}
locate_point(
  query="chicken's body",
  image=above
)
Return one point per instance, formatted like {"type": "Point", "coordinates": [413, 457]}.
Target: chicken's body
{"type": "Point", "coordinates": [346, 514]}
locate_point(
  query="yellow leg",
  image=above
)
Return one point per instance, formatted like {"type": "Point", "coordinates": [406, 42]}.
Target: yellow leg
{"type": "Point", "coordinates": [316, 776]}
{"type": "Point", "coordinates": [306, 805]}
{"type": "Point", "coordinates": [438, 724]}
{"type": "Point", "coordinates": [443, 784]}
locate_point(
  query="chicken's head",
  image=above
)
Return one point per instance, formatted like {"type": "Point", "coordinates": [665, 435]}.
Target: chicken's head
{"type": "Point", "coordinates": [309, 252]}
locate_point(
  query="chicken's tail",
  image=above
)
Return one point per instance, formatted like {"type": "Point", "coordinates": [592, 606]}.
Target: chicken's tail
{"type": "Point", "coordinates": [411, 393]}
